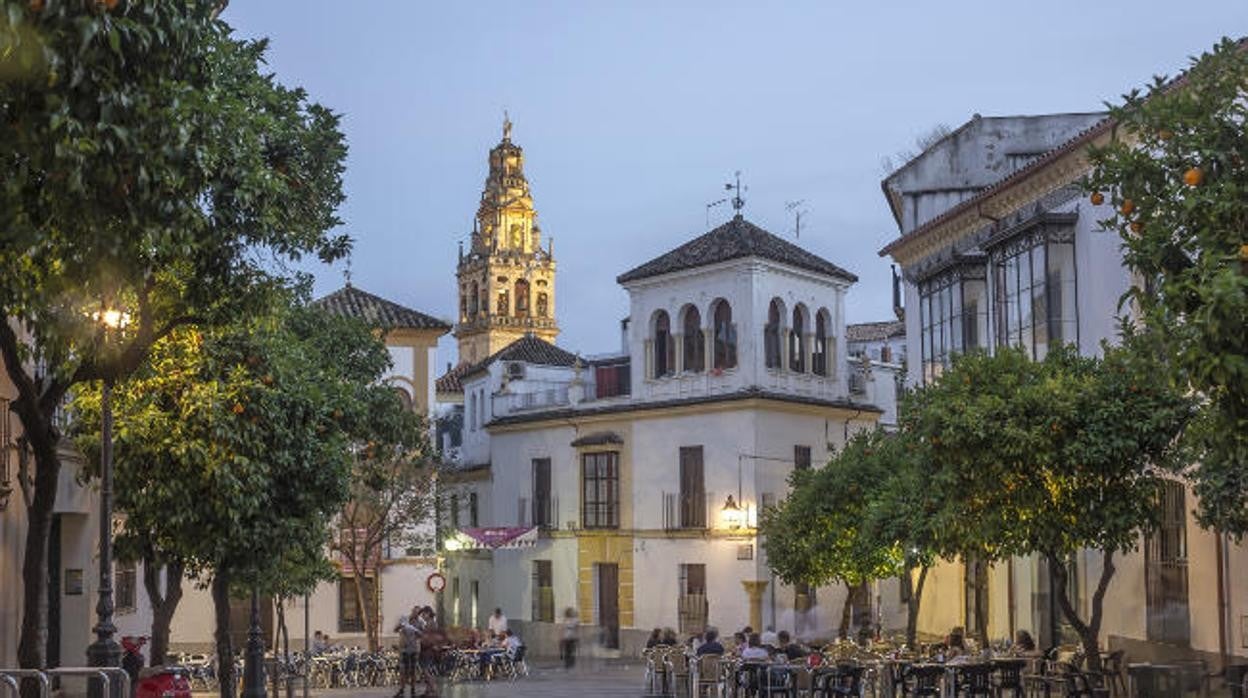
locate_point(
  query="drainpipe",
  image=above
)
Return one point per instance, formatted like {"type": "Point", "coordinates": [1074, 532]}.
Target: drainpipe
{"type": "Point", "coordinates": [1223, 606]}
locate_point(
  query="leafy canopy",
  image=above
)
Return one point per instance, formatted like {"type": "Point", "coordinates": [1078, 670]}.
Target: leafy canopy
{"type": "Point", "coordinates": [1177, 175]}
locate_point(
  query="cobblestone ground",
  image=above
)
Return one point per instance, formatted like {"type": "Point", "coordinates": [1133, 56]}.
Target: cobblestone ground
{"type": "Point", "coordinates": [590, 679]}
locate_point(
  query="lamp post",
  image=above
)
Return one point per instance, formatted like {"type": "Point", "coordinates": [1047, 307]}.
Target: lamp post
{"type": "Point", "coordinates": [253, 659]}
{"type": "Point", "coordinates": [105, 652]}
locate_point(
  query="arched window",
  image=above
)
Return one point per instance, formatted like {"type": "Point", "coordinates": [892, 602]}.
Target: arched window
{"type": "Point", "coordinates": [664, 347]}
{"type": "Point", "coordinates": [543, 306]}
{"type": "Point", "coordinates": [725, 336]}
{"type": "Point", "coordinates": [694, 344]}
{"type": "Point", "coordinates": [503, 306]}
{"type": "Point", "coordinates": [771, 334]}
{"type": "Point", "coordinates": [472, 412]}
{"type": "Point", "coordinates": [797, 340]}
{"type": "Point", "coordinates": [463, 304]}
{"type": "Point", "coordinates": [819, 357]}
{"type": "Point", "coordinates": [404, 397]}
{"type": "Point", "coordinates": [472, 301]}
{"type": "Point", "coordinates": [522, 298]}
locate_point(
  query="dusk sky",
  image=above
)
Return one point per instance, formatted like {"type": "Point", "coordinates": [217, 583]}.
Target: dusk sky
{"type": "Point", "coordinates": [633, 115]}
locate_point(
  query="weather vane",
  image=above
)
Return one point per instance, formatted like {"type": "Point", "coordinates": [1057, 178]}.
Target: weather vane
{"type": "Point", "coordinates": [737, 202]}
{"type": "Point", "coordinates": [795, 207]}
{"type": "Point", "coordinates": [506, 126]}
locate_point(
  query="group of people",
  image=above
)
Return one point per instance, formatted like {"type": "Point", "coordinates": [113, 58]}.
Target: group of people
{"type": "Point", "coordinates": [416, 631]}
{"type": "Point", "coordinates": [746, 644]}
{"type": "Point", "coordinates": [955, 645]}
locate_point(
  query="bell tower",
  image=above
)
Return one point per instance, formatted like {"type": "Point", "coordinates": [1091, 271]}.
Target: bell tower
{"type": "Point", "coordinates": [506, 278]}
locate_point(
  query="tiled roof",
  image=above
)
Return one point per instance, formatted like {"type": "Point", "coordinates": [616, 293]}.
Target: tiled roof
{"type": "Point", "coordinates": [529, 349]}
{"type": "Point", "coordinates": [736, 239]}
{"type": "Point", "coordinates": [375, 310]}
{"type": "Point", "coordinates": [875, 331]}
{"type": "Point", "coordinates": [449, 382]}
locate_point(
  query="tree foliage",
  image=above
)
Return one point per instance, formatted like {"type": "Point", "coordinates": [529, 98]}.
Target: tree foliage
{"type": "Point", "coordinates": [1050, 457]}
{"type": "Point", "coordinates": [1177, 177]}
{"type": "Point", "coordinates": [235, 445]}
{"type": "Point", "coordinates": [149, 165]}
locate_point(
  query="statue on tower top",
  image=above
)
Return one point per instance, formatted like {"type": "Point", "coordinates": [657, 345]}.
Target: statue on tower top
{"type": "Point", "coordinates": [506, 126]}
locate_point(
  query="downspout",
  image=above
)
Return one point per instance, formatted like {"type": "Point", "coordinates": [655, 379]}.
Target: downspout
{"type": "Point", "coordinates": [1223, 606]}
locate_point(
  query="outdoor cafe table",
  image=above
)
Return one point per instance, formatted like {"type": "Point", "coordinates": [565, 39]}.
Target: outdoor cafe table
{"type": "Point", "coordinates": [1154, 680]}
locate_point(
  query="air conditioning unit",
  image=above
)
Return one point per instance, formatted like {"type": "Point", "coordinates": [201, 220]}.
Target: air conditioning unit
{"type": "Point", "coordinates": [515, 370]}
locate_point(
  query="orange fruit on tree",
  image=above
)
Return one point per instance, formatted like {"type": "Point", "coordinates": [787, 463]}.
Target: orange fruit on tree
{"type": "Point", "coordinates": [36, 5]}
{"type": "Point", "coordinates": [238, 408]}
{"type": "Point", "coordinates": [1097, 198]}
{"type": "Point", "coordinates": [1136, 227]}
{"type": "Point", "coordinates": [1193, 177]}
{"type": "Point", "coordinates": [1128, 206]}
{"type": "Point", "coordinates": [1165, 134]}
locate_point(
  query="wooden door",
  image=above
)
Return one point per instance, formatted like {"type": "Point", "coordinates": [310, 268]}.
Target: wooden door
{"type": "Point", "coordinates": [609, 603]}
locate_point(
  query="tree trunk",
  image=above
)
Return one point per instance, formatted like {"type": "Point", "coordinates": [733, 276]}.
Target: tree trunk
{"type": "Point", "coordinates": [283, 634]}
{"type": "Point", "coordinates": [366, 615]}
{"type": "Point", "coordinates": [163, 605]}
{"type": "Point", "coordinates": [979, 588]}
{"type": "Point", "coordinates": [225, 648]}
{"type": "Point", "coordinates": [912, 606]}
{"type": "Point", "coordinates": [33, 644]}
{"type": "Point", "coordinates": [1089, 632]}
{"type": "Point", "coordinates": [847, 610]}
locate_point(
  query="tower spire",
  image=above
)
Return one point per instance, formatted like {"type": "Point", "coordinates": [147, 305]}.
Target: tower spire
{"type": "Point", "coordinates": [506, 126]}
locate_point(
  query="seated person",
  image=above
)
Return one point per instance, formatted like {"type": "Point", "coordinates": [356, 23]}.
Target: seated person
{"type": "Point", "coordinates": [711, 644]}
{"type": "Point", "coordinates": [1023, 643]}
{"type": "Point", "coordinates": [669, 637]}
{"type": "Point", "coordinates": [788, 648]}
{"type": "Point", "coordinates": [511, 643]}
{"type": "Point", "coordinates": [770, 639]}
{"type": "Point", "coordinates": [754, 650]}
{"type": "Point", "coordinates": [955, 642]}
{"type": "Point", "coordinates": [655, 639]}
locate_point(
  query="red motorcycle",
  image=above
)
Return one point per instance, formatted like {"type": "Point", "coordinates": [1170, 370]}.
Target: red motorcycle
{"type": "Point", "coordinates": [152, 682]}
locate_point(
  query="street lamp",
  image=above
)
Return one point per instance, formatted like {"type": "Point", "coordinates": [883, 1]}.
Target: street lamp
{"type": "Point", "coordinates": [105, 652]}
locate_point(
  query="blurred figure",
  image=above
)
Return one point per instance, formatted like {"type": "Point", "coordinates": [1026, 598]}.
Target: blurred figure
{"type": "Point", "coordinates": [1023, 643]}
{"type": "Point", "coordinates": [568, 636]}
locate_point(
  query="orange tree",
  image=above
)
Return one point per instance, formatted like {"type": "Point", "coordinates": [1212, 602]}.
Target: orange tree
{"type": "Point", "coordinates": [1177, 174]}
{"type": "Point", "coordinates": [856, 519]}
{"type": "Point", "coordinates": [1050, 457]}
{"type": "Point", "coordinates": [148, 163]}
{"type": "Point", "coordinates": [236, 450]}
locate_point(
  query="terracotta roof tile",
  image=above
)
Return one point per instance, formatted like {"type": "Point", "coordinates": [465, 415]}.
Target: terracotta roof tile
{"type": "Point", "coordinates": [736, 239]}
{"type": "Point", "coordinates": [375, 310]}
{"type": "Point", "coordinates": [875, 331]}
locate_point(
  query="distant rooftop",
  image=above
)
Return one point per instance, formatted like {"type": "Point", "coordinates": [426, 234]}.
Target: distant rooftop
{"type": "Point", "coordinates": [736, 239]}
{"type": "Point", "coordinates": [875, 331]}
{"type": "Point", "coordinates": [529, 349]}
{"type": "Point", "coordinates": [350, 301]}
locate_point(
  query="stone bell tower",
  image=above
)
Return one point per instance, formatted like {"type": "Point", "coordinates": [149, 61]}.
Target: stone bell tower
{"type": "Point", "coordinates": [506, 279]}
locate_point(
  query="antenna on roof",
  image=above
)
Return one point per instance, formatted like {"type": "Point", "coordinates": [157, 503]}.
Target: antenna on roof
{"type": "Point", "coordinates": [738, 203]}
{"type": "Point", "coordinates": [710, 206]}
{"type": "Point", "coordinates": [795, 207]}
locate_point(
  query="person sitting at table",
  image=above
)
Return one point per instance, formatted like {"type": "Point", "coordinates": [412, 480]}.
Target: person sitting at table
{"type": "Point", "coordinates": [1023, 643]}
{"type": "Point", "coordinates": [669, 638]}
{"type": "Point", "coordinates": [788, 648]}
{"type": "Point", "coordinates": [770, 639]}
{"type": "Point", "coordinates": [512, 643]}
{"type": "Point", "coordinates": [655, 639]}
{"type": "Point", "coordinates": [955, 642]}
{"type": "Point", "coordinates": [738, 644]}
{"type": "Point", "coordinates": [754, 650]}
{"type": "Point", "coordinates": [711, 644]}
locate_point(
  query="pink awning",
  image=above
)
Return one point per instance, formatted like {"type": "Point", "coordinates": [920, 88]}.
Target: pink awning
{"type": "Point", "coordinates": [500, 537]}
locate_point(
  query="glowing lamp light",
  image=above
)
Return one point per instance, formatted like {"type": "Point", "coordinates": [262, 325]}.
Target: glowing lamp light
{"type": "Point", "coordinates": [732, 515]}
{"type": "Point", "coordinates": [111, 318]}
{"type": "Point", "coordinates": [453, 544]}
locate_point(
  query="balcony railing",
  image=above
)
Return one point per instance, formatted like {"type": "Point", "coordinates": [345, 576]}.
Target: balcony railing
{"type": "Point", "coordinates": [685, 510]}
{"type": "Point", "coordinates": [542, 513]}
{"type": "Point", "coordinates": [691, 613]}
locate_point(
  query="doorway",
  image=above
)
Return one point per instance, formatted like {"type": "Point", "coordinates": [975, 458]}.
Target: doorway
{"type": "Point", "coordinates": [608, 585]}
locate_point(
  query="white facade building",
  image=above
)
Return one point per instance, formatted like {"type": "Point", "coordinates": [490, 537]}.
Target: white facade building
{"type": "Point", "coordinates": [632, 482]}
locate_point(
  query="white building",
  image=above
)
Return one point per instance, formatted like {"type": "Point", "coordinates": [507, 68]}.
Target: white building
{"type": "Point", "coordinates": [627, 486]}
{"type": "Point", "coordinates": [998, 247]}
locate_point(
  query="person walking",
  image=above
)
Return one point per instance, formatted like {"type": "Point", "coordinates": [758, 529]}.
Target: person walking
{"type": "Point", "coordinates": [568, 636]}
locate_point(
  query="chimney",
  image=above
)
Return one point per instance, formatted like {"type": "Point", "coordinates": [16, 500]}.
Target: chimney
{"type": "Point", "coordinates": [897, 309]}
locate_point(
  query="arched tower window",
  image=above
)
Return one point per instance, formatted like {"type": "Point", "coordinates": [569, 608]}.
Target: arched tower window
{"type": "Point", "coordinates": [463, 304]}
{"type": "Point", "coordinates": [503, 306]}
{"type": "Point", "coordinates": [771, 334]}
{"type": "Point", "coordinates": [797, 340]}
{"type": "Point", "coordinates": [664, 347]}
{"type": "Point", "coordinates": [819, 357]}
{"type": "Point", "coordinates": [472, 300]}
{"type": "Point", "coordinates": [543, 306]}
{"type": "Point", "coordinates": [522, 298]}
{"type": "Point", "coordinates": [693, 342]}
{"type": "Point", "coordinates": [725, 335]}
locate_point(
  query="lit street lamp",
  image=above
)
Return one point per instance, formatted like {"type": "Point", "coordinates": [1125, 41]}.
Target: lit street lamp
{"type": "Point", "coordinates": [105, 652]}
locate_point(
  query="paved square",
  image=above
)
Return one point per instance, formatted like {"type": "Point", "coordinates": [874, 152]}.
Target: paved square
{"type": "Point", "coordinates": [589, 679]}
